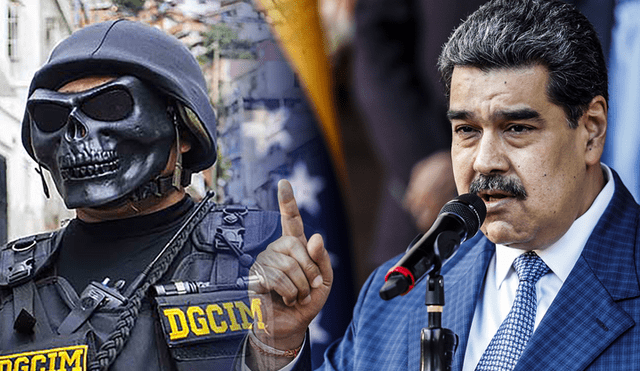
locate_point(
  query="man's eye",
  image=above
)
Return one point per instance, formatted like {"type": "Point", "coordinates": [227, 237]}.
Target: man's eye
{"type": "Point", "coordinates": [464, 129]}
{"type": "Point", "coordinates": [518, 128]}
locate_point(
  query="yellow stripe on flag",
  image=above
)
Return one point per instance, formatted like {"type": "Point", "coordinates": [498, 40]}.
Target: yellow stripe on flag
{"type": "Point", "coordinates": [297, 24]}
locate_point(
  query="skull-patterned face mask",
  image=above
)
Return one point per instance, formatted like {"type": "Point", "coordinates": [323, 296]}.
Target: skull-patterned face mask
{"type": "Point", "coordinates": [103, 143]}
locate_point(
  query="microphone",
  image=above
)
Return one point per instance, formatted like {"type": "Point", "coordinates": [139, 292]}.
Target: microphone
{"type": "Point", "coordinates": [459, 220]}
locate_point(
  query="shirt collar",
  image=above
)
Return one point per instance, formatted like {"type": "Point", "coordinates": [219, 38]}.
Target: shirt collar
{"type": "Point", "coordinates": [562, 255]}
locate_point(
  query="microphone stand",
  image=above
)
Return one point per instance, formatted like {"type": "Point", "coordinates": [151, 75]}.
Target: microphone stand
{"type": "Point", "coordinates": [437, 344]}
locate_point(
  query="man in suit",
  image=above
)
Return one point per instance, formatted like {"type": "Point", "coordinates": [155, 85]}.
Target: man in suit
{"type": "Point", "coordinates": [527, 88]}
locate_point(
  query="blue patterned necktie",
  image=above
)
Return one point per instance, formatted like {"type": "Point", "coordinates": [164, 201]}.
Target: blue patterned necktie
{"type": "Point", "coordinates": [508, 343]}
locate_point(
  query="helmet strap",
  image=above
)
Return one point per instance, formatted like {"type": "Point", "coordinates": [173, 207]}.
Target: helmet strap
{"type": "Point", "coordinates": [45, 187]}
{"type": "Point", "coordinates": [177, 172]}
{"type": "Point", "coordinates": [161, 185]}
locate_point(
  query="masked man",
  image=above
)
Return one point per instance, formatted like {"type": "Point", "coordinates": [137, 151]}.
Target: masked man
{"type": "Point", "coordinates": [142, 278]}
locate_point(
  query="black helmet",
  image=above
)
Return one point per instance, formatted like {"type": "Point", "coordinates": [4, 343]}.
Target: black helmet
{"type": "Point", "coordinates": [124, 47]}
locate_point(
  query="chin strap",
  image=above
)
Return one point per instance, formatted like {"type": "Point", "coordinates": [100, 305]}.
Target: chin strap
{"type": "Point", "coordinates": [163, 184]}
{"type": "Point", "coordinates": [177, 172]}
{"type": "Point", "coordinates": [45, 188]}
{"type": "Point", "coordinates": [160, 186]}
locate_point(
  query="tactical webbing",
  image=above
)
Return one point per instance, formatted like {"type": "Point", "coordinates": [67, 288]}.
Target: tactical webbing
{"type": "Point", "coordinates": [29, 312]}
{"type": "Point", "coordinates": [138, 289]}
{"type": "Point", "coordinates": [176, 242]}
{"type": "Point", "coordinates": [229, 243]}
{"type": "Point", "coordinates": [22, 259]}
{"type": "Point", "coordinates": [24, 317]}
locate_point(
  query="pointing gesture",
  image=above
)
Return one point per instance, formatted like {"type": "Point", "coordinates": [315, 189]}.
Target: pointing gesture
{"type": "Point", "coordinates": [296, 273]}
{"type": "Point", "coordinates": [289, 214]}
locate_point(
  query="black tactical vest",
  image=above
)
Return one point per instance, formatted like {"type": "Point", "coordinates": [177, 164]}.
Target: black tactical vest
{"type": "Point", "coordinates": [196, 319]}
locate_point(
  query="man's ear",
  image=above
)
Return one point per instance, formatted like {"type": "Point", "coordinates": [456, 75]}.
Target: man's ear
{"type": "Point", "coordinates": [185, 141]}
{"type": "Point", "coordinates": [595, 122]}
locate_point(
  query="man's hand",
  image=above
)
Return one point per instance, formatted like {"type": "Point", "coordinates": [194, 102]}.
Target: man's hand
{"type": "Point", "coordinates": [430, 187]}
{"type": "Point", "coordinates": [296, 277]}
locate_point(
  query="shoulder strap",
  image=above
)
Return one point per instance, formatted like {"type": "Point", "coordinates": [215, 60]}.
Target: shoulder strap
{"type": "Point", "coordinates": [208, 247]}
{"type": "Point", "coordinates": [230, 260]}
{"type": "Point", "coordinates": [234, 235]}
{"type": "Point", "coordinates": [22, 259]}
{"type": "Point", "coordinates": [260, 228]}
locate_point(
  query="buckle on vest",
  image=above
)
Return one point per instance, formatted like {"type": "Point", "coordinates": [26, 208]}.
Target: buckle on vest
{"type": "Point", "coordinates": [20, 270]}
{"type": "Point", "coordinates": [230, 235]}
{"type": "Point", "coordinates": [230, 238]}
{"type": "Point", "coordinates": [94, 296]}
{"type": "Point", "coordinates": [23, 260]}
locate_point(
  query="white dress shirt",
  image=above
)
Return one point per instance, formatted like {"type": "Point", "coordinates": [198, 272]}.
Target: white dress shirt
{"type": "Point", "coordinates": [501, 281]}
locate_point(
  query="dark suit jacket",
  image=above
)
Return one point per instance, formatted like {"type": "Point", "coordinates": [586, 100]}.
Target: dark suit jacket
{"type": "Point", "coordinates": [590, 325]}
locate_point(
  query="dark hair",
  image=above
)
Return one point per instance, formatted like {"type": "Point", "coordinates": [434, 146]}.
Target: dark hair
{"type": "Point", "coordinates": [521, 33]}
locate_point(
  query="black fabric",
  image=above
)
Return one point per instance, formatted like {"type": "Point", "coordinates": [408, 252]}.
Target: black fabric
{"type": "Point", "coordinates": [146, 348]}
{"type": "Point", "coordinates": [118, 249]}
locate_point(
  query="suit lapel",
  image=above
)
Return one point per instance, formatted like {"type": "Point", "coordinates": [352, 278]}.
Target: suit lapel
{"type": "Point", "coordinates": [582, 321]}
{"type": "Point", "coordinates": [463, 281]}
{"type": "Point", "coordinates": [585, 319]}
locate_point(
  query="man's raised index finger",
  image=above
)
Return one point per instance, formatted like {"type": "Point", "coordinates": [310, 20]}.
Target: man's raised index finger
{"type": "Point", "coordinates": [289, 214]}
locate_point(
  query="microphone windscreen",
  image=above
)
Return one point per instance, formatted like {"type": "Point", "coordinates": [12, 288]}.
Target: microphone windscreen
{"type": "Point", "coordinates": [470, 208]}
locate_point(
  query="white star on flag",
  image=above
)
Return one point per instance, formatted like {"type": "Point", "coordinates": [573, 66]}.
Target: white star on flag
{"type": "Point", "coordinates": [306, 188]}
{"type": "Point", "coordinates": [268, 130]}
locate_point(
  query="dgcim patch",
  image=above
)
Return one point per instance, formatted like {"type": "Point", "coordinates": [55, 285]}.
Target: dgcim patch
{"type": "Point", "coordinates": [72, 358]}
{"type": "Point", "coordinates": [205, 317]}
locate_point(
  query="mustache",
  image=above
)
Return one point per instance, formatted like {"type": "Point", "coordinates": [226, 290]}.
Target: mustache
{"type": "Point", "coordinates": [511, 186]}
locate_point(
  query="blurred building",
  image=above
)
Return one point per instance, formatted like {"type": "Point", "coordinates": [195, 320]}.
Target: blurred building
{"type": "Point", "coordinates": [263, 125]}
{"type": "Point", "coordinates": [31, 29]}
